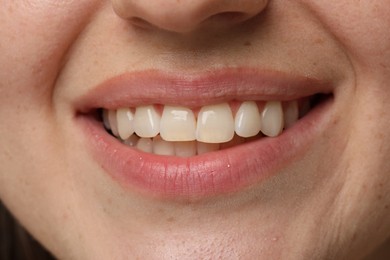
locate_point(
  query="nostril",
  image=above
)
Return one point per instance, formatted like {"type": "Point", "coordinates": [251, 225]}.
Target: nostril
{"type": "Point", "coordinates": [141, 23]}
{"type": "Point", "coordinates": [220, 18]}
{"type": "Point", "coordinates": [230, 17]}
{"type": "Point", "coordinates": [185, 16]}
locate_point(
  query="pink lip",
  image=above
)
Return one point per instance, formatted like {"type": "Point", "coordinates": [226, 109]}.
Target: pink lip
{"type": "Point", "coordinates": [210, 174]}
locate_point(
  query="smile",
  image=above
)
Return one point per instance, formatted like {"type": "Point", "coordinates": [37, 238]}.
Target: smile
{"type": "Point", "coordinates": [184, 132]}
{"type": "Point", "coordinates": [199, 136]}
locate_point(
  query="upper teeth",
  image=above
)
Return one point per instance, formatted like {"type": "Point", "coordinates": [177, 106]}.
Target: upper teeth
{"type": "Point", "coordinates": [212, 124]}
{"type": "Point", "coordinates": [215, 124]}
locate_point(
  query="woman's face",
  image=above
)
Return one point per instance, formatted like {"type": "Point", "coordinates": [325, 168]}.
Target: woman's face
{"type": "Point", "coordinates": [317, 189]}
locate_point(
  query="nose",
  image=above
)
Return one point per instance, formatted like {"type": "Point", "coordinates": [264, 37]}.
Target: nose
{"type": "Point", "coordinates": [183, 16]}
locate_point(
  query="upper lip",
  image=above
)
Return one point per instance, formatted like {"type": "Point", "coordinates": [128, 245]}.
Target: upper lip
{"type": "Point", "coordinates": [194, 90]}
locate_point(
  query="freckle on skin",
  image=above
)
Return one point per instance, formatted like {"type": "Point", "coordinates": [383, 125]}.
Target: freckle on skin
{"type": "Point", "coordinates": [319, 41]}
{"type": "Point", "coordinates": [248, 43]}
{"type": "Point", "coordinates": [379, 136]}
{"type": "Point", "coordinates": [354, 237]}
{"type": "Point", "coordinates": [10, 9]}
{"type": "Point", "coordinates": [171, 219]}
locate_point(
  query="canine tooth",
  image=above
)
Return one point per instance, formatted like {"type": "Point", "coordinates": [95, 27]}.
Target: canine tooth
{"type": "Point", "coordinates": [248, 119]}
{"type": "Point", "coordinates": [291, 113]}
{"type": "Point", "coordinates": [105, 119]}
{"type": "Point", "coordinates": [145, 145]}
{"type": "Point", "coordinates": [125, 118]}
{"type": "Point", "coordinates": [177, 124]}
{"type": "Point", "coordinates": [146, 121]}
{"type": "Point", "coordinates": [113, 122]}
{"type": "Point", "coordinates": [185, 149]}
{"type": "Point", "coordinates": [272, 119]}
{"type": "Point", "coordinates": [206, 147]}
{"type": "Point", "coordinates": [215, 124]}
{"type": "Point", "coordinates": [162, 147]}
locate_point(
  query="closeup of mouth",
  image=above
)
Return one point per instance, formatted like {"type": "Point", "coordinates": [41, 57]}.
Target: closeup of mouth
{"type": "Point", "coordinates": [199, 136]}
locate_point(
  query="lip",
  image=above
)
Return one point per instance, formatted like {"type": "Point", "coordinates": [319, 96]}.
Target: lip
{"type": "Point", "coordinates": [211, 174]}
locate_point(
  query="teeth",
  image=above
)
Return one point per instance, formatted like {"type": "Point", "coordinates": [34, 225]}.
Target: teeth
{"type": "Point", "coordinates": [124, 119]}
{"type": "Point", "coordinates": [185, 149]}
{"type": "Point", "coordinates": [272, 119]}
{"type": "Point", "coordinates": [177, 124]}
{"type": "Point", "coordinates": [105, 119]}
{"type": "Point", "coordinates": [206, 147]}
{"type": "Point", "coordinates": [235, 141]}
{"type": "Point", "coordinates": [162, 147]}
{"type": "Point", "coordinates": [131, 141]}
{"type": "Point", "coordinates": [178, 131]}
{"type": "Point", "coordinates": [215, 124]}
{"type": "Point", "coordinates": [248, 120]}
{"type": "Point", "coordinates": [291, 114]}
{"type": "Point", "coordinates": [146, 121]}
{"type": "Point", "coordinates": [145, 145]}
{"type": "Point", "coordinates": [112, 122]}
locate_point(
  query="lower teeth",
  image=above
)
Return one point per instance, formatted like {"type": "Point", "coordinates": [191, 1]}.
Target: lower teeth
{"type": "Point", "coordinates": [158, 146]}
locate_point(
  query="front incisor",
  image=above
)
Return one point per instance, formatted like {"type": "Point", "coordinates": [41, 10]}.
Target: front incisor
{"type": "Point", "coordinates": [177, 124]}
{"type": "Point", "coordinates": [215, 124]}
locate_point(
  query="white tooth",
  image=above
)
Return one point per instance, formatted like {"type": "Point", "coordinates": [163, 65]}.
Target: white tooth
{"type": "Point", "coordinates": [177, 124]}
{"type": "Point", "coordinates": [248, 119]}
{"type": "Point", "coordinates": [291, 114]}
{"type": "Point", "coordinates": [272, 119]}
{"type": "Point", "coordinates": [113, 122]}
{"type": "Point", "coordinates": [105, 119]}
{"type": "Point", "coordinates": [145, 145]}
{"type": "Point", "coordinates": [215, 124]}
{"type": "Point", "coordinates": [125, 118]}
{"type": "Point", "coordinates": [185, 149]}
{"type": "Point", "coordinates": [131, 141]}
{"type": "Point", "coordinates": [162, 147]}
{"type": "Point", "coordinates": [146, 121]}
{"type": "Point", "coordinates": [206, 147]}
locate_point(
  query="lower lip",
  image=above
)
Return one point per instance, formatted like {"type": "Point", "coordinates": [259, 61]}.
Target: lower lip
{"type": "Point", "coordinates": [211, 174]}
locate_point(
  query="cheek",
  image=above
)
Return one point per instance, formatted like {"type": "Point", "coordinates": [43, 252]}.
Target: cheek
{"type": "Point", "coordinates": [34, 39]}
{"type": "Point", "coordinates": [362, 28]}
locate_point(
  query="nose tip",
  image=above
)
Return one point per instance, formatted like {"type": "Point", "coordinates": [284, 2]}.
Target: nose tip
{"type": "Point", "coordinates": [183, 16]}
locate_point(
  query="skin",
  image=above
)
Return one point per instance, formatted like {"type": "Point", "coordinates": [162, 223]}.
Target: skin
{"type": "Point", "coordinates": [332, 203]}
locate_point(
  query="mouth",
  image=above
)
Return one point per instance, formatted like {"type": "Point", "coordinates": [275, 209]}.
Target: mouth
{"type": "Point", "coordinates": [189, 137]}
